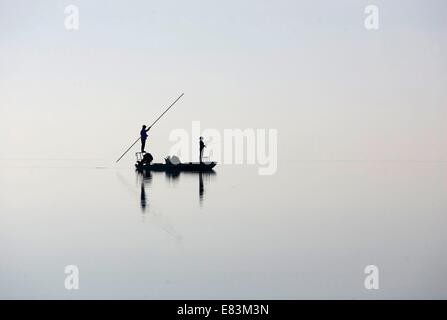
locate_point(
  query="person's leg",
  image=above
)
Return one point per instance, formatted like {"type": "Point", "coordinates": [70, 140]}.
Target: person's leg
{"type": "Point", "coordinates": [143, 144]}
{"type": "Point", "coordinates": [201, 153]}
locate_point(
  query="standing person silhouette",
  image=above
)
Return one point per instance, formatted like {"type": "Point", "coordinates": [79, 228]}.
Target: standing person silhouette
{"type": "Point", "coordinates": [202, 146]}
{"type": "Point", "coordinates": [143, 136]}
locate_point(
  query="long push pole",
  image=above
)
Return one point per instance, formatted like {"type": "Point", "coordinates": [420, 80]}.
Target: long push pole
{"type": "Point", "coordinates": [150, 127]}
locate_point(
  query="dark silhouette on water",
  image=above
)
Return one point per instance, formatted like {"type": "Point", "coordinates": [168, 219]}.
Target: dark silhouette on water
{"type": "Point", "coordinates": [144, 201]}
{"type": "Point", "coordinates": [143, 137]}
{"type": "Point", "coordinates": [171, 177]}
{"type": "Point", "coordinates": [201, 189]}
{"type": "Point", "coordinates": [202, 146]}
{"type": "Point", "coordinates": [146, 165]}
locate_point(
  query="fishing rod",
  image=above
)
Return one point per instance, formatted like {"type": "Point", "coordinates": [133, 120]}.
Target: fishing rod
{"type": "Point", "coordinates": [150, 127]}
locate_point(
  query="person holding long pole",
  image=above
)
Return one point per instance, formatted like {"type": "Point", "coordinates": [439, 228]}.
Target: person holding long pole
{"type": "Point", "coordinates": [143, 137]}
{"type": "Point", "coordinates": [143, 143]}
{"type": "Point", "coordinates": [202, 146]}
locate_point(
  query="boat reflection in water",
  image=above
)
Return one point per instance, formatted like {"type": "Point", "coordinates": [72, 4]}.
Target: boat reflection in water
{"type": "Point", "coordinates": [153, 214]}
{"type": "Point", "coordinates": [173, 177]}
{"type": "Point", "coordinates": [146, 179]}
{"type": "Point", "coordinates": [201, 189]}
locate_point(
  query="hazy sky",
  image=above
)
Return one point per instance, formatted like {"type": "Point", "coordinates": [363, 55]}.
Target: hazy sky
{"type": "Point", "coordinates": [307, 68]}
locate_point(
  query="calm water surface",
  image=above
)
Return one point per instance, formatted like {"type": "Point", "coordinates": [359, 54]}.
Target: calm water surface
{"type": "Point", "coordinates": [306, 232]}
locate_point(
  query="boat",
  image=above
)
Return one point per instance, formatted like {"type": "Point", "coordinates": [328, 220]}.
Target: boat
{"type": "Point", "coordinates": [172, 164]}
{"type": "Point", "coordinates": [169, 167]}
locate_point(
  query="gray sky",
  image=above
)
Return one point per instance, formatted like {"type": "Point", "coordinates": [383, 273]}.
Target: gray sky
{"type": "Point", "coordinates": [307, 68]}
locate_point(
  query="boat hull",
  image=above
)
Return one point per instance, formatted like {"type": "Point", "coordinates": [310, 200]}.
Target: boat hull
{"type": "Point", "coordinates": [163, 167]}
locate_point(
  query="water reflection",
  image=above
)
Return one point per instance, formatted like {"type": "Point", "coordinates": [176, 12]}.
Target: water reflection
{"type": "Point", "coordinates": [207, 176]}
{"type": "Point", "coordinates": [146, 180]}
{"type": "Point", "coordinates": [201, 189]}
{"type": "Point", "coordinates": [156, 216]}
{"type": "Point", "coordinates": [173, 178]}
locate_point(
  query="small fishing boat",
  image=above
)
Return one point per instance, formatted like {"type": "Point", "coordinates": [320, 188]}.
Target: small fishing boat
{"type": "Point", "coordinates": [172, 164]}
{"type": "Point", "coordinates": [191, 166]}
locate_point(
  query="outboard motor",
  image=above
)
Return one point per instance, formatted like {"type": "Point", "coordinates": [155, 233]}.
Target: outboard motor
{"type": "Point", "coordinates": [147, 159]}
